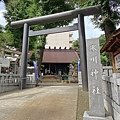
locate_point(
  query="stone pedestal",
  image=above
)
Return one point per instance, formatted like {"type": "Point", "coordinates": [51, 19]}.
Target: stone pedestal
{"type": "Point", "coordinates": [86, 116]}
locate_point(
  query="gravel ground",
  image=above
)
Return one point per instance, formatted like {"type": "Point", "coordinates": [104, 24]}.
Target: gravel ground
{"type": "Point", "coordinates": [47, 103]}
{"type": "Point", "coordinates": [44, 103]}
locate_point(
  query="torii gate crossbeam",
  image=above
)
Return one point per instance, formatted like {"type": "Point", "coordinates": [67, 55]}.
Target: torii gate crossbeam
{"type": "Point", "coordinates": [58, 16]}
{"type": "Point", "coordinates": [53, 30]}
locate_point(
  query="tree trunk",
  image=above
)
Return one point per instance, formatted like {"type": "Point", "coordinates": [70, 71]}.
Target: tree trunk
{"type": "Point", "coordinates": [109, 27]}
{"type": "Point", "coordinates": [108, 31]}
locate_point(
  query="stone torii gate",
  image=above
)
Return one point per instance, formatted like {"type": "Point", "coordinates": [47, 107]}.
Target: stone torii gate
{"type": "Point", "coordinates": [77, 13]}
{"type": "Point", "coordinates": [96, 104]}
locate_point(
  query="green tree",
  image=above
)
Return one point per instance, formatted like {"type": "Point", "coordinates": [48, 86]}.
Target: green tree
{"type": "Point", "coordinates": [104, 59]}
{"type": "Point", "coordinates": [110, 16]}
{"type": "Point", "coordinates": [22, 9]}
{"type": "Point", "coordinates": [17, 10]}
{"type": "Point", "coordinates": [6, 39]}
{"type": "Point", "coordinates": [75, 45]}
{"type": "Point", "coordinates": [104, 56]}
{"type": "Point", "coordinates": [102, 40]}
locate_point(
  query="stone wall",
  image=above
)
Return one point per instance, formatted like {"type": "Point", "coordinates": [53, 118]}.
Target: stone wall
{"type": "Point", "coordinates": [111, 90]}
{"type": "Point", "coordinates": [107, 70]}
{"type": "Point", "coordinates": [10, 82]}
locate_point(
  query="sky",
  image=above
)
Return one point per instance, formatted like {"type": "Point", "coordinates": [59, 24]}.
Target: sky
{"type": "Point", "coordinates": [90, 30]}
{"type": "Point", "coordinates": [2, 10]}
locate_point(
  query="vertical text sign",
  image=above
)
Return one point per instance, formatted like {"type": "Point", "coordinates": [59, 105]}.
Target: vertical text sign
{"type": "Point", "coordinates": [96, 104]}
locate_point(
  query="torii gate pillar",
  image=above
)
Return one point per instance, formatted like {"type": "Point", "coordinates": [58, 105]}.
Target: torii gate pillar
{"type": "Point", "coordinates": [83, 54]}
{"type": "Point", "coordinates": [24, 56]}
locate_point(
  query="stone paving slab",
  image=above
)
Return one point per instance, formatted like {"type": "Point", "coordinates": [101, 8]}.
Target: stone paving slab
{"type": "Point", "coordinates": [47, 103]}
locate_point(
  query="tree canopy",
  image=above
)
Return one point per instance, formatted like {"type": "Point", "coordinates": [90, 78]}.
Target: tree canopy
{"type": "Point", "coordinates": [6, 39]}
{"type": "Point", "coordinates": [75, 45]}
{"type": "Point", "coordinates": [1, 28]}
{"type": "Point", "coordinates": [17, 10]}
{"type": "Point", "coordinates": [110, 16]}
{"type": "Point", "coordinates": [55, 6]}
{"type": "Point", "coordinates": [22, 9]}
{"type": "Point", "coordinates": [104, 56]}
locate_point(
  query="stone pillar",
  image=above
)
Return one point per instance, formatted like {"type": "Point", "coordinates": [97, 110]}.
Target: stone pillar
{"type": "Point", "coordinates": [96, 103]}
{"type": "Point", "coordinates": [83, 56]}
{"type": "Point", "coordinates": [24, 56]}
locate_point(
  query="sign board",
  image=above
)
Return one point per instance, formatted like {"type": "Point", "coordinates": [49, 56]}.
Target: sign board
{"type": "Point", "coordinates": [117, 61]}
{"type": "Point", "coordinates": [4, 62]}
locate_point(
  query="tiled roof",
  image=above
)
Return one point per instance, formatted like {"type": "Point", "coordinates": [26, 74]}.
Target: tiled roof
{"type": "Point", "coordinates": [59, 56]}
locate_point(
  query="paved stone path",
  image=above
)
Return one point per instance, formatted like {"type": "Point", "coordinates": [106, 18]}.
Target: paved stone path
{"type": "Point", "coordinates": [41, 103]}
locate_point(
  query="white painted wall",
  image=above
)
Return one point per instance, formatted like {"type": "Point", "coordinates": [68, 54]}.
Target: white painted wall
{"type": "Point", "coordinates": [59, 40]}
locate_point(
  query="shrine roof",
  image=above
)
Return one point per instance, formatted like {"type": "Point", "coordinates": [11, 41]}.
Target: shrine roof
{"type": "Point", "coordinates": [59, 56]}
{"type": "Point", "coordinates": [113, 43]}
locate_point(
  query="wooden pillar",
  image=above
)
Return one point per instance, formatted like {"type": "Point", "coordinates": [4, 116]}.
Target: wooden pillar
{"type": "Point", "coordinates": [113, 62]}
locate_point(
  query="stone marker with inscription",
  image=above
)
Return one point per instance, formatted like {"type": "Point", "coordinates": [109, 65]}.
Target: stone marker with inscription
{"type": "Point", "coordinates": [96, 103]}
